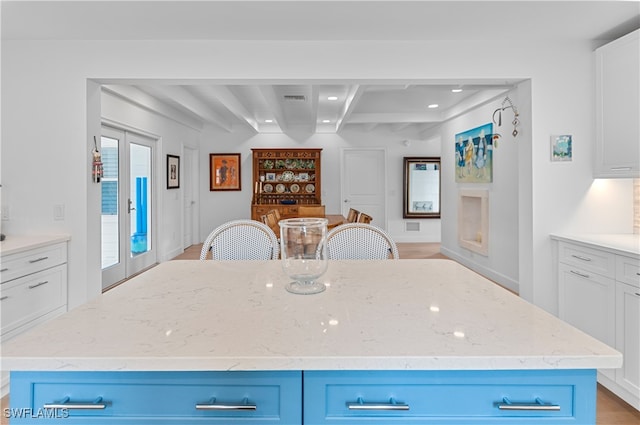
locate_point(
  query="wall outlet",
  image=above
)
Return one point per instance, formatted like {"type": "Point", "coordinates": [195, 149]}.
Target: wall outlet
{"type": "Point", "coordinates": [5, 212]}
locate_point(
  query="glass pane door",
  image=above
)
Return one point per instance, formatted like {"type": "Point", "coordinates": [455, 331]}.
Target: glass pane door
{"type": "Point", "coordinates": [127, 205]}
{"type": "Point", "coordinates": [110, 202]}
{"type": "Point", "coordinates": [139, 202]}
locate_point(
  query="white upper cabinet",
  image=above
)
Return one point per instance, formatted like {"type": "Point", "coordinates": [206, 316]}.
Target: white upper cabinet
{"type": "Point", "coordinates": [617, 108]}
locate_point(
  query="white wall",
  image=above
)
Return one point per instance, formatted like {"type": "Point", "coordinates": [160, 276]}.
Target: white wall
{"type": "Point", "coordinates": [218, 207]}
{"type": "Point", "coordinates": [48, 113]}
{"type": "Point", "coordinates": [501, 263]}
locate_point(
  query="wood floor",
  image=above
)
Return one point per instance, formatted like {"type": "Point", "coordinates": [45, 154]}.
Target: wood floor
{"type": "Point", "coordinates": [610, 409]}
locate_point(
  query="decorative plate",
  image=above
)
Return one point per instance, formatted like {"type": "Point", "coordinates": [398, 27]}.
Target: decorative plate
{"type": "Point", "coordinates": [268, 164]}
{"type": "Point", "coordinates": [288, 176]}
{"type": "Point", "coordinates": [280, 188]}
{"type": "Point", "coordinates": [291, 163]}
{"type": "Point", "coordinates": [267, 188]}
{"type": "Point", "coordinates": [294, 188]}
{"type": "Point", "coordinates": [310, 188]}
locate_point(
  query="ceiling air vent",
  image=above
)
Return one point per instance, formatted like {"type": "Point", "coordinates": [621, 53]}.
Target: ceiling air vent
{"type": "Point", "coordinates": [295, 97]}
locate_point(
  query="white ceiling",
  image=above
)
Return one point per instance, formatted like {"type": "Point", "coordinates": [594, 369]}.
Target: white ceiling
{"type": "Point", "coordinates": [402, 107]}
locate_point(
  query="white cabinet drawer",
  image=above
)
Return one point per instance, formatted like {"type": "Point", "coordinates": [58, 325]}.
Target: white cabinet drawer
{"type": "Point", "coordinates": [24, 263]}
{"type": "Point", "coordinates": [592, 260]}
{"type": "Point", "coordinates": [28, 298]}
{"type": "Point", "coordinates": [628, 270]}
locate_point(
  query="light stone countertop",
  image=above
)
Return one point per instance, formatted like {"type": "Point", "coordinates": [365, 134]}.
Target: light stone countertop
{"type": "Point", "coordinates": [377, 315]}
{"type": "Point", "coordinates": [15, 244]}
{"type": "Point", "coordinates": [622, 243]}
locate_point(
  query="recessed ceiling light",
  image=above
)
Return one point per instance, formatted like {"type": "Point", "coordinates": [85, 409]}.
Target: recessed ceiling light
{"type": "Point", "coordinates": [456, 90]}
{"type": "Point", "coordinates": [268, 121]}
{"type": "Point", "coordinates": [326, 121]}
{"type": "Point", "coordinates": [332, 98]}
{"type": "Point", "coordinates": [433, 105]}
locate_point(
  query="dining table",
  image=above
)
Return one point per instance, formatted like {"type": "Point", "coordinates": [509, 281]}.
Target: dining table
{"type": "Point", "coordinates": [335, 220]}
{"type": "Point", "coordinates": [391, 341]}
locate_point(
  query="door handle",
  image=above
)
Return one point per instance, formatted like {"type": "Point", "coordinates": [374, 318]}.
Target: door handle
{"type": "Point", "coordinates": [129, 209]}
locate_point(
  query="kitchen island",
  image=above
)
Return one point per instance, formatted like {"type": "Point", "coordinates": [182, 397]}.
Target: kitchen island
{"type": "Point", "coordinates": [408, 341]}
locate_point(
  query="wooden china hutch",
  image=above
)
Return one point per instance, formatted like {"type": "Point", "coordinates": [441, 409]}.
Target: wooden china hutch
{"type": "Point", "coordinates": [285, 178]}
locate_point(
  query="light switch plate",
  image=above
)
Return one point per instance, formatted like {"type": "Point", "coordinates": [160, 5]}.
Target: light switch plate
{"type": "Point", "coordinates": [58, 212]}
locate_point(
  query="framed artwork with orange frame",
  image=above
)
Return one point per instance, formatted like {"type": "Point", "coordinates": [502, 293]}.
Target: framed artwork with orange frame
{"type": "Point", "coordinates": [224, 171]}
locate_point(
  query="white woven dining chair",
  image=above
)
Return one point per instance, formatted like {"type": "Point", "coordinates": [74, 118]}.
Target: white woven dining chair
{"type": "Point", "coordinates": [241, 240]}
{"type": "Point", "coordinates": [360, 241]}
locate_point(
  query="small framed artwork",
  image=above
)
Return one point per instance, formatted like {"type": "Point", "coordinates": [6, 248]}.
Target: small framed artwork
{"type": "Point", "coordinates": [173, 172]}
{"type": "Point", "coordinates": [224, 171]}
{"type": "Point", "coordinates": [271, 177]}
{"type": "Point", "coordinates": [561, 148]}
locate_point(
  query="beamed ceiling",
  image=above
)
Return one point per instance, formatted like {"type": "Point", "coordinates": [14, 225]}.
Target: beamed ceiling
{"type": "Point", "coordinates": [315, 108]}
{"type": "Point", "coordinates": [305, 107]}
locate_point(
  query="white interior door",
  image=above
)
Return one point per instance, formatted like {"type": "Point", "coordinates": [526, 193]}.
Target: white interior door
{"type": "Point", "coordinates": [191, 215]}
{"type": "Point", "coordinates": [128, 204]}
{"type": "Point", "coordinates": [364, 183]}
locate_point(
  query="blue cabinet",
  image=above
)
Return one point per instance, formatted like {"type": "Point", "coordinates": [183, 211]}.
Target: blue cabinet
{"type": "Point", "coordinates": [310, 397]}
{"type": "Point", "coordinates": [143, 398]}
{"type": "Point", "coordinates": [450, 397]}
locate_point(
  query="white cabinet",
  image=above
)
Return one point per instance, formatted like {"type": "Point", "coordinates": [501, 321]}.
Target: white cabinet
{"type": "Point", "coordinates": [617, 108]}
{"type": "Point", "coordinates": [628, 337]}
{"type": "Point", "coordinates": [628, 327]}
{"type": "Point", "coordinates": [587, 292]}
{"type": "Point", "coordinates": [599, 293]}
{"type": "Point", "coordinates": [33, 284]}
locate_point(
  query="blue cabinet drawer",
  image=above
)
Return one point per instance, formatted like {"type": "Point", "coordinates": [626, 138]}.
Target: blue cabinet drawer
{"type": "Point", "coordinates": [451, 397]}
{"type": "Point", "coordinates": [156, 397]}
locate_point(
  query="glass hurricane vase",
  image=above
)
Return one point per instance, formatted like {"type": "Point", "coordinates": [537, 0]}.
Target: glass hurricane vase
{"type": "Point", "coordinates": [303, 243]}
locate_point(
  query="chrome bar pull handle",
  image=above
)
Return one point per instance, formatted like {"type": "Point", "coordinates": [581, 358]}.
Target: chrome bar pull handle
{"type": "Point", "coordinates": [580, 257]}
{"type": "Point", "coordinates": [6, 268]}
{"type": "Point", "coordinates": [391, 405]}
{"type": "Point", "coordinates": [66, 403]}
{"type": "Point", "coordinates": [538, 404]}
{"type": "Point", "coordinates": [4, 298]}
{"type": "Point", "coordinates": [212, 405]}
{"type": "Point", "coordinates": [38, 259]}
{"type": "Point", "coordinates": [580, 274]}
{"type": "Point", "coordinates": [38, 284]}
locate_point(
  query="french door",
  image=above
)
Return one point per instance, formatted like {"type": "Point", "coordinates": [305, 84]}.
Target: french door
{"type": "Point", "coordinates": [128, 204]}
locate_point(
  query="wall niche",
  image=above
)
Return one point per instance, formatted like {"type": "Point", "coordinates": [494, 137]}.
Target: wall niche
{"type": "Point", "coordinates": [473, 220]}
